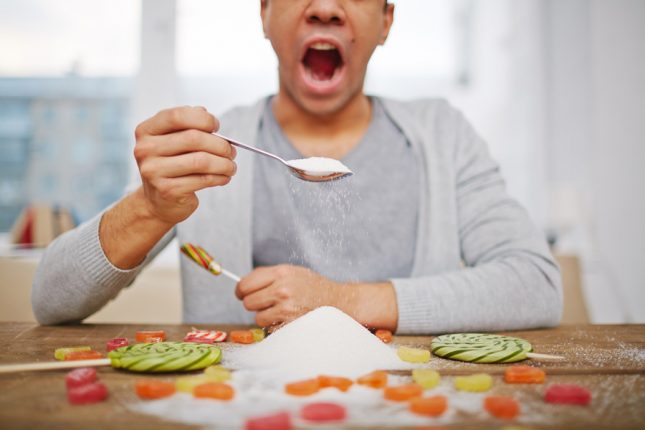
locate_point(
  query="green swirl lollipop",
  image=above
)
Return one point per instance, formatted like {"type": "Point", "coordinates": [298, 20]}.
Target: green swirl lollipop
{"type": "Point", "coordinates": [481, 348]}
{"type": "Point", "coordinates": [165, 357]}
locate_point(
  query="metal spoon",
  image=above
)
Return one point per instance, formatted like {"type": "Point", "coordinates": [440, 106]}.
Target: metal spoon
{"type": "Point", "coordinates": [306, 175]}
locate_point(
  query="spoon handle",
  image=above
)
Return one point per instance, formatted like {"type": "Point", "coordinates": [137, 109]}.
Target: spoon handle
{"type": "Point", "coordinates": [249, 148]}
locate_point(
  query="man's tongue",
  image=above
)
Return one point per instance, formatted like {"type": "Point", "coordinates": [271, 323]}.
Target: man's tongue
{"type": "Point", "coordinates": [322, 63]}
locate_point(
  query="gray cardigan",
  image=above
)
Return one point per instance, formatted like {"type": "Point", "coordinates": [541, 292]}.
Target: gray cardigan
{"type": "Point", "coordinates": [480, 263]}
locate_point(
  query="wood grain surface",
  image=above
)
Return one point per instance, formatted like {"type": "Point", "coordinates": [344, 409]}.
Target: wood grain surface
{"type": "Point", "coordinates": [607, 359]}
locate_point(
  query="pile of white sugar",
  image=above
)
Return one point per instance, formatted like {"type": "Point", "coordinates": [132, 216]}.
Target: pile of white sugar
{"type": "Point", "coordinates": [319, 166]}
{"type": "Point", "coordinates": [323, 341]}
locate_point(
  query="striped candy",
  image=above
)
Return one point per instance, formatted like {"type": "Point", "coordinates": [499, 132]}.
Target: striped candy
{"type": "Point", "coordinates": [481, 348]}
{"type": "Point", "coordinates": [165, 356]}
{"type": "Point", "coordinates": [205, 336]}
{"type": "Point", "coordinates": [201, 257]}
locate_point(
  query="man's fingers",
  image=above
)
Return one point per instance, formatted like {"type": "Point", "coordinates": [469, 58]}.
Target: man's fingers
{"type": "Point", "coordinates": [259, 300]}
{"type": "Point", "coordinates": [258, 279]}
{"type": "Point", "coordinates": [173, 188]}
{"type": "Point", "coordinates": [270, 317]}
{"type": "Point", "coordinates": [177, 119]}
{"type": "Point", "coordinates": [188, 164]}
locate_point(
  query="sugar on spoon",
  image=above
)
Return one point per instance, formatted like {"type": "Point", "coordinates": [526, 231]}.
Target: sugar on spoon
{"type": "Point", "coordinates": [313, 169]}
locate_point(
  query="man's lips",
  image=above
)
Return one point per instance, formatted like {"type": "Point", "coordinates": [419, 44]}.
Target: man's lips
{"type": "Point", "coordinates": [322, 65]}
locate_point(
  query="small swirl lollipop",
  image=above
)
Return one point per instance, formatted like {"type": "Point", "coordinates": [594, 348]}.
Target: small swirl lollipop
{"type": "Point", "coordinates": [203, 258]}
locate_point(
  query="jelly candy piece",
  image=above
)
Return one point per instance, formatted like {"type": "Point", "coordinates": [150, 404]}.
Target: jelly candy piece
{"type": "Point", "coordinates": [430, 406]}
{"type": "Point", "coordinates": [205, 336]}
{"type": "Point", "coordinates": [427, 378]}
{"type": "Point", "coordinates": [80, 376]}
{"type": "Point", "coordinates": [376, 379]}
{"type": "Point", "coordinates": [477, 383]}
{"type": "Point", "coordinates": [89, 393]}
{"type": "Point", "coordinates": [339, 382]}
{"type": "Point", "coordinates": [151, 336]}
{"type": "Point", "coordinates": [151, 389]}
{"type": "Point", "coordinates": [83, 355]}
{"type": "Point", "coordinates": [60, 353]}
{"type": "Point", "coordinates": [115, 343]}
{"type": "Point", "coordinates": [217, 373]}
{"type": "Point", "coordinates": [258, 334]}
{"type": "Point", "coordinates": [302, 388]}
{"type": "Point", "coordinates": [214, 390]}
{"type": "Point", "coordinates": [278, 421]}
{"type": "Point", "coordinates": [186, 384]}
{"type": "Point", "coordinates": [402, 393]}
{"type": "Point", "coordinates": [502, 407]}
{"type": "Point", "coordinates": [569, 394]}
{"type": "Point", "coordinates": [242, 336]}
{"type": "Point", "coordinates": [413, 355]}
{"type": "Point", "coordinates": [524, 375]}
{"type": "Point", "coordinates": [323, 412]}
{"type": "Point", "coordinates": [384, 335]}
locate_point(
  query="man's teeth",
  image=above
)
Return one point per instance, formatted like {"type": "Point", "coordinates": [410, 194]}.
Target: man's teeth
{"type": "Point", "coordinates": [322, 46]}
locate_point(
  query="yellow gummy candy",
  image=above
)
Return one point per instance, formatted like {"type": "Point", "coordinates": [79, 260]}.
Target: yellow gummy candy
{"type": "Point", "coordinates": [60, 353]}
{"type": "Point", "coordinates": [427, 378]}
{"type": "Point", "coordinates": [413, 355]}
{"type": "Point", "coordinates": [258, 334]}
{"type": "Point", "coordinates": [186, 384]}
{"type": "Point", "coordinates": [217, 373]}
{"type": "Point", "coordinates": [476, 383]}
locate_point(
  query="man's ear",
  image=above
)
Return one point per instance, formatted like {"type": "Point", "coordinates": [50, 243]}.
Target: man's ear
{"type": "Point", "coordinates": [388, 19]}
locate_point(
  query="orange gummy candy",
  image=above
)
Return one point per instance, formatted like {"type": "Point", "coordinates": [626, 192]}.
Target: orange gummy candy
{"type": "Point", "coordinates": [402, 393]}
{"type": "Point", "coordinates": [384, 335]}
{"type": "Point", "coordinates": [214, 390]}
{"type": "Point", "coordinates": [339, 382]}
{"type": "Point", "coordinates": [242, 336]}
{"type": "Point", "coordinates": [147, 389]}
{"type": "Point", "coordinates": [430, 406]}
{"type": "Point", "coordinates": [303, 388]}
{"type": "Point", "coordinates": [524, 375]}
{"type": "Point", "coordinates": [83, 355]}
{"type": "Point", "coordinates": [502, 407]}
{"type": "Point", "coordinates": [150, 336]}
{"type": "Point", "coordinates": [376, 379]}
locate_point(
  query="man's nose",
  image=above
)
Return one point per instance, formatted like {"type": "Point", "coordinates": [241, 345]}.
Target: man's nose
{"type": "Point", "coordinates": [325, 12]}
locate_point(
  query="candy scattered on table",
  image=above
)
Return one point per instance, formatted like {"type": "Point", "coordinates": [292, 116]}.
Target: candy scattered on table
{"type": "Point", "coordinates": [186, 384]}
{"type": "Point", "coordinates": [376, 379]}
{"type": "Point", "coordinates": [343, 384]}
{"type": "Point", "coordinates": [481, 348]}
{"type": "Point", "coordinates": [217, 373]}
{"type": "Point", "coordinates": [524, 375]}
{"type": "Point", "coordinates": [150, 389]}
{"type": "Point", "coordinates": [258, 334]}
{"type": "Point", "coordinates": [277, 421]}
{"type": "Point", "coordinates": [205, 336]}
{"type": "Point", "coordinates": [569, 394]}
{"type": "Point", "coordinates": [503, 407]}
{"type": "Point", "coordinates": [476, 383]}
{"type": "Point", "coordinates": [302, 388]}
{"type": "Point", "coordinates": [115, 343]}
{"type": "Point", "coordinates": [88, 393]}
{"type": "Point", "coordinates": [429, 406]}
{"type": "Point", "coordinates": [165, 357]}
{"type": "Point", "coordinates": [150, 336]}
{"type": "Point", "coordinates": [323, 412]}
{"type": "Point", "coordinates": [384, 335]}
{"type": "Point", "coordinates": [83, 355]}
{"type": "Point", "coordinates": [401, 393]}
{"type": "Point", "coordinates": [427, 378]}
{"type": "Point", "coordinates": [413, 355]}
{"type": "Point", "coordinates": [214, 390]}
{"type": "Point", "coordinates": [60, 353]}
{"type": "Point", "coordinates": [80, 376]}
{"type": "Point", "coordinates": [242, 336]}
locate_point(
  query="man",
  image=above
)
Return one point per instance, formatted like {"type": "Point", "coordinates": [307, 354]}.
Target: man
{"type": "Point", "coordinates": [390, 250]}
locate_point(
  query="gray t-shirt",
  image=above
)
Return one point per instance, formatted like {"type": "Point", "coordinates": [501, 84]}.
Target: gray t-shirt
{"type": "Point", "coordinates": [361, 228]}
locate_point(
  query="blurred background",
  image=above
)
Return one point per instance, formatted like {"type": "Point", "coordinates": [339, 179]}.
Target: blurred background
{"type": "Point", "coordinates": [556, 87]}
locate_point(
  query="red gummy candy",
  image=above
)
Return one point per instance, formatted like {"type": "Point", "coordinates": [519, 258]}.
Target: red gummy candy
{"type": "Point", "coordinates": [115, 343]}
{"type": "Point", "coordinates": [89, 393]}
{"type": "Point", "coordinates": [80, 377]}
{"type": "Point", "coordinates": [569, 394]}
{"type": "Point", "coordinates": [278, 421]}
{"type": "Point", "coordinates": [323, 412]}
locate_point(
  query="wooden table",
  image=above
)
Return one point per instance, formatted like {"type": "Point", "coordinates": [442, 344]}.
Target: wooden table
{"type": "Point", "coordinates": [608, 359]}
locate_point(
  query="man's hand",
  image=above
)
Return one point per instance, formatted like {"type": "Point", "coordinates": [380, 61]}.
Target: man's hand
{"type": "Point", "coordinates": [280, 294]}
{"type": "Point", "coordinates": [177, 155]}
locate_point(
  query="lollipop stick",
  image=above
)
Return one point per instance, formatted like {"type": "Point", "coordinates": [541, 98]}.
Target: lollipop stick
{"type": "Point", "coordinates": [545, 357]}
{"type": "Point", "coordinates": [230, 275]}
{"type": "Point", "coordinates": [53, 365]}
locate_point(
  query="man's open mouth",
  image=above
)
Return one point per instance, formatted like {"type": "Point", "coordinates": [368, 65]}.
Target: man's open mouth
{"type": "Point", "coordinates": [322, 61]}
